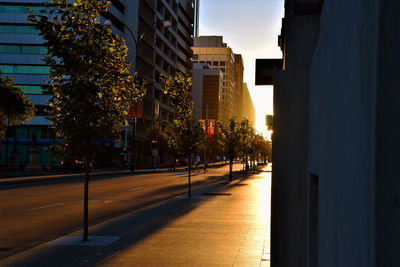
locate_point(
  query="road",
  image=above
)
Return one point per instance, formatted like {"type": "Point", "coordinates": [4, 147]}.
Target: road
{"type": "Point", "coordinates": [35, 213]}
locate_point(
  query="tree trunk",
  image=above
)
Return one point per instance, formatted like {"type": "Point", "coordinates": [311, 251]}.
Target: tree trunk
{"type": "Point", "coordinates": [85, 205]}
{"type": "Point", "coordinates": [230, 167]}
{"type": "Point", "coordinates": [7, 136]}
{"type": "Point", "coordinates": [190, 169]}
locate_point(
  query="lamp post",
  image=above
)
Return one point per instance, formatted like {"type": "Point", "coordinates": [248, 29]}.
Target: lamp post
{"type": "Point", "coordinates": [137, 41]}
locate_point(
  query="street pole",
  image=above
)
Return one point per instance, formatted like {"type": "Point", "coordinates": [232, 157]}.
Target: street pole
{"type": "Point", "coordinates": [206, 139]}
{"type": "Point", "coordinates": [133, 156]}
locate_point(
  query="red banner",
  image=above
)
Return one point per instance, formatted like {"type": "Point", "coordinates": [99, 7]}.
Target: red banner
{"type": "Point", "coordinates": [210, 127]}
{"type": "Point", "coordinates": [135, 110]}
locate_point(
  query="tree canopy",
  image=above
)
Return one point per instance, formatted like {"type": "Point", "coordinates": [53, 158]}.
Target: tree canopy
{"type": "Point", "coordinates": [89, 77]}
{"type": "Point", "coordinates": [15, 107]}
{"type": "Point", "coordinates": [189, 132]}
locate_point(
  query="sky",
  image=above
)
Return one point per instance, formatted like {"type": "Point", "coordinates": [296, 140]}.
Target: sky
{"type": "Point", "coordinates": [250, 28]}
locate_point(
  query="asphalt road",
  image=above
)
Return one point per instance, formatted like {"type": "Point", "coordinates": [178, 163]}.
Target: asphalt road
{"type": "Point", "coordinates": [31, 214]}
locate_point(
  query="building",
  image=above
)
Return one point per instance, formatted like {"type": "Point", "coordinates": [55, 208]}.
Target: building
{"type": "Point", "coordinates": [20, 54]}
{"type": "Point", "coordinates": [248, 111]}
{"type": "Point", "coordinates": [207, 92]}
{"type": "Point", "coordinates": [213, 51]}
{"type": "Point", "coordinates": [161, 50]}
{"type": "Point", "coordinates": [238, 95]}
{"type": "Point", "coordinates": [335, 186]}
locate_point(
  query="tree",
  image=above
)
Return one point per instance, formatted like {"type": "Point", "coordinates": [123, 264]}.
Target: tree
{"type": "Point", "coordinates": [244, 141]}
{"type": "Point", "coordinates": [188, 132]}
{"type": "Point", "coordinates": [89, 79]}
{"type": "Point", "coordinates": [265, 149]}
{"type": "Point", "coordinates": [157, 134]}
{"type": "Point", "coordinates": [15, 107]}
{"type": "Point", "coordinates": [215, 144]}
{"type": "Point", "coordinates": [231, 133]}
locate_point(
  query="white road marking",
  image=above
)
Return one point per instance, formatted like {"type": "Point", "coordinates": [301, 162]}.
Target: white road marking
{"type": "Point", "coordinates": [48, 206]}
{"type": "Point", "coordinates": [136, 188]}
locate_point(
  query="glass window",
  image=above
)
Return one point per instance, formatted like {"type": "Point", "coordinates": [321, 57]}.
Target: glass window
{"type": "Point", "coordinates": [21, 9]}
{"type": "Point", "coordinates": [10, 49]}
{"type": "Point", "coordinates": [22, 29]}
{"type": "Point", "coordinates": [32, 89]}
{"type": "Point", "coordinates": [23, 49]}
{"type": "Point", "coordinates": [34, 50]}
{"type": "Point", "coordinates": [24, 69]}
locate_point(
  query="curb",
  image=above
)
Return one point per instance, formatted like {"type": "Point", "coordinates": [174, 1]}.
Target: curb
{"type": "Point", "coordinates": [25, 180]}
{"type": "Point", "coordinates": [13, 181]}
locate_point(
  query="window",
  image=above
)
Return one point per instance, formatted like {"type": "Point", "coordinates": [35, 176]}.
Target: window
{"type": "Point", "coordinates": [21, 29]}
{"type": "Point", "coordinates": [22, 9]}
{"type": "Point", "coordinates": [23, 49]}
{"type": "Point", "coordinates": [32, 89]}
{"type": "Point", "coordinates": [24, 69]}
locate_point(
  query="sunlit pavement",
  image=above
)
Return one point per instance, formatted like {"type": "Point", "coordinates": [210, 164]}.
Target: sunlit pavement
{"type": "Point", "coordinates": [224, 224]}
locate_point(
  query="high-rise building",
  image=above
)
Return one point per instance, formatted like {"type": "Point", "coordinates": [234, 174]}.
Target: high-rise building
{"type": "Point", "coordinates": [161, 50]}
{"type": "Point", "coordinates": [248, 111]}
{"type": "Point", "coordinates": [238, 95]}
{"type": "Point", "coordinates": [213, 51]}
{"type": "Point", "coordinates": [207, 92]}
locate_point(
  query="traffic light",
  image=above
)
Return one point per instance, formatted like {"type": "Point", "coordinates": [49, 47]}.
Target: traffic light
{"type": "Point", "coordinates": [153, 143]}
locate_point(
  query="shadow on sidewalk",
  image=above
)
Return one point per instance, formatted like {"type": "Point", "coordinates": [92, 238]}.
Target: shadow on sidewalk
{"type": "Point", "coordinates": [133, 228]}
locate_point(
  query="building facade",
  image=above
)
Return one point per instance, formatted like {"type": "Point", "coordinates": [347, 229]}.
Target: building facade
{"type": "Point", "coordinates": [213, 51]}
{"type": "Point", "coordinates": [238, 95]}
{"type": "Point", "coordinates": [161, 50]}
{"type": "Point", "coordinates": [335, 186]}
{"type": "Point", "coordinates": [248, 111]}
{"type": "Point", "coordinates": [207, 92]}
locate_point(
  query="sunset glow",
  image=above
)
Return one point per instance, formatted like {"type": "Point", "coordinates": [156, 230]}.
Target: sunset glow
{"type": "Point", "coordinates": [250, 28]}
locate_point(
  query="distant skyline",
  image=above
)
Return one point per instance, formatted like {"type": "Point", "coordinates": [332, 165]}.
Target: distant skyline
{"type": "Point", "coordinates": [250, 28]}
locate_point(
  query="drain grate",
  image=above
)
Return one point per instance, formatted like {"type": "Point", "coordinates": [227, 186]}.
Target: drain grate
{"type": "Point", "coordinates": [217, 194]}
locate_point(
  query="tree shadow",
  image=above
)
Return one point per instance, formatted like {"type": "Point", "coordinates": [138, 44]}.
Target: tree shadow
{"type": "Point", "coordinates": [133, 228]}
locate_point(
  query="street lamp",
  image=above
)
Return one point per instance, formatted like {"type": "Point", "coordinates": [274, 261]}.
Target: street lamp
{"type": "Point", "coordinates": [137, 41]}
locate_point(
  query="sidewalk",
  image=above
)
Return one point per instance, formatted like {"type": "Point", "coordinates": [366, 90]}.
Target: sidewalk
{"type": "Point", "coordinates": [222, 225]}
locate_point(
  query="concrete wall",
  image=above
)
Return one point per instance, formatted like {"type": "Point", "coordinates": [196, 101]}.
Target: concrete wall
{"type": "Point", "coordinates": [336, 186]}
{"type": "Point", "coordinates": [290, 139]}
{"type": "Point", "coordinates": [342, 131]}
{"type": "Point", "coordinates": [387, 138]}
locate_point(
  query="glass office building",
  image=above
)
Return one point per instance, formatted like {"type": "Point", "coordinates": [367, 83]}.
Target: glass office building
{"type": "Point", "coordinates": [21, 51]}
{"type": "Point", "coordinates": [162, 50]}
